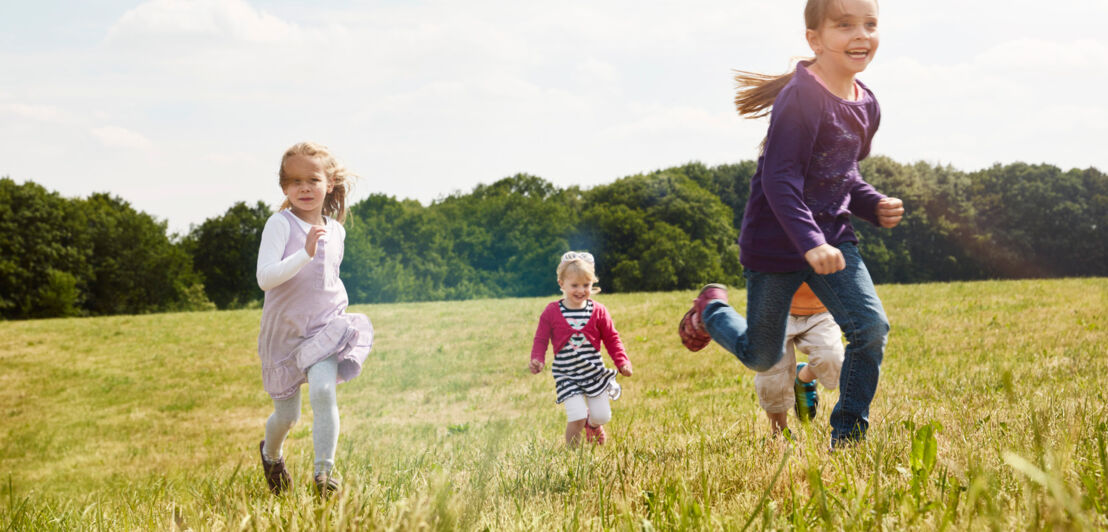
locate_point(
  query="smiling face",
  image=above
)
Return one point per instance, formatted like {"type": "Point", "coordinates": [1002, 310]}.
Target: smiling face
{"type": "Point", "coordinates": [577, 290]}
{"type": "Point", "coordinates": [846, 40]}
{"type": "Point", "coordinates": [306, 186]}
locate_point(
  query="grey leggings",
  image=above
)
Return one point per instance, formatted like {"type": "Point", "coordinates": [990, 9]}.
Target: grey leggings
{"type": "Point", "coordinates": [325, 413]}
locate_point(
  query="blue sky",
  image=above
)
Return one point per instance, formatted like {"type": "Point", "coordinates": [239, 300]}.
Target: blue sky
{"type": "Point", "coordinates": [183, 107]}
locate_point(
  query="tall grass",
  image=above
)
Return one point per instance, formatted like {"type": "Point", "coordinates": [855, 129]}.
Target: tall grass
{"type": "Point", "coordinates": [990, 415]}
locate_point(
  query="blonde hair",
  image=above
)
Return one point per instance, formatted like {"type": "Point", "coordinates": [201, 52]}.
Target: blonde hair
{"type": "Point", "coordinates": [576, 268]}
{"type": "Point", "coordinates": [340, 179]}
{"type": "Point", "coordinates": [756, 92]}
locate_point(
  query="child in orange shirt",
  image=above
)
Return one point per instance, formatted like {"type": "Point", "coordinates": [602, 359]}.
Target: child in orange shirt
{"type": "Point", "coordinates": [789, 385]}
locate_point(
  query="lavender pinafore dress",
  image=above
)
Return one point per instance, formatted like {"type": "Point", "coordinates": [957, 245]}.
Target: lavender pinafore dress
{"type": "Point", "coordinates": [304, 320]}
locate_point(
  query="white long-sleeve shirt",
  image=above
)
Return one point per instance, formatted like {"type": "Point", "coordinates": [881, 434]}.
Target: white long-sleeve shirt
{"type": "Point", "coordinates": [272, 268]}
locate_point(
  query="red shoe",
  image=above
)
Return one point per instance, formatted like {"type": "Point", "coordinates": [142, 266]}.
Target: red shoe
{"type": "Point", "coordinates": [276, 476]}
{"type": "Point", "coordinates": [692, 332]}
{"type": "Point", "coordinates": [595, 434]}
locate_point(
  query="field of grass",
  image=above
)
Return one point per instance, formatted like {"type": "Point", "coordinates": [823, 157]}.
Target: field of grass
{"type": "Point", "coordinates": [991, 414]}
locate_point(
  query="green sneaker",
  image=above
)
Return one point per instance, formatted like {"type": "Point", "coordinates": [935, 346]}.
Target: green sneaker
{"type": "Point", "coordinates": [807, 400]}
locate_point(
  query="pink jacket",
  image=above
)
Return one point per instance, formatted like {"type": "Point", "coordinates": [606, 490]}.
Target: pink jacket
{"type": "Point", "coordinates": [553, 327]}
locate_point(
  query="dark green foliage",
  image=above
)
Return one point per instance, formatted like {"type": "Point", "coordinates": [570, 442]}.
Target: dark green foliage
{"type": "Point", "coordinates": [502, 239]}
{"type": "Point", "coordinates": [660, 232]}
{"type": "Point", "coordinates": [135, 267]}
{"type": "Point", "coordinates": [1013, 221]}
{"type": "Point", "coordinates": [512, 231]}
{"type": "Point", "coordinates": [931, 242]}
{"type": "Point", "coordinates": [44, 253]}
{"type": "Point", "coordinates": [672, 229]}
{"type": "Point", "coordinates": [1039, 221]}
{"type": "Point", "coordinates": [731, 182]}
{"type": "Point", "coordinates": [650, 232]}
{"type": "Point", "coordinates": [676, 229]}
{"type": "Point", "coordinates": [66, 257]}
{"type": "Point", "coordinates": [225, 252]}
{"type": "Point", "coordinates": [373, 267]}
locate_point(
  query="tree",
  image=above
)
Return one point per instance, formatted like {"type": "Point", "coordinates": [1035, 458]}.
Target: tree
{"type": "Point", "coordinates": [369, 273]}
{"type": "Point", "coordinates": [929, 243]}
{"type": "Point", "coordinates": [407, 249]}
{"type": "Point", "coordinates": [67, 257]}
{"type": "Point", "coordinates": [660, 231]}
{"type": "Point", "coordinates": [524, 223]}
{"type": "Point", "coordinates": [44, 253]}
{"type": "Point", "coordinates": [135, 267]}
{"type": "Point", "coordinates": [224, 252]}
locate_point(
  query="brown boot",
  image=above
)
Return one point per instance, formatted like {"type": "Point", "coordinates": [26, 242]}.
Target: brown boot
{"type": "Point", "coordinates": [326, 484]}
{"type": "Point", "coordinates": [276, 476]}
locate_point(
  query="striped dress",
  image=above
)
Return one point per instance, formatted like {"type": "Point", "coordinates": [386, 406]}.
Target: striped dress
{"type": "Point", "coordinates": [578, 367]}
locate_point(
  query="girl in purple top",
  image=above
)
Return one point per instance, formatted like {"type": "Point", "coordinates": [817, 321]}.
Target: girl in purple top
{"type": "Point", "coordinates": [796, 227]}
{"type": "Point", "coordinates": [306, 334]}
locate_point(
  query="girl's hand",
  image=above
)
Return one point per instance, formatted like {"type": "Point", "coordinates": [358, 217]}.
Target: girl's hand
{"type": "Point", "coordinates": [825, 259]}
{"type": "Point", "coordinates": [625, 370]}
{"type": "Point", "coordinates": [889, 212]}
{"type": "Point", "coordinates": [536, 366]}
{"type": "Point", "coordinates": [314, 235]}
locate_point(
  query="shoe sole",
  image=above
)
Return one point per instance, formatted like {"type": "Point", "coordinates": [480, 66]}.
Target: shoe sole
{"type": "Point", "coordinates": [692, 342]}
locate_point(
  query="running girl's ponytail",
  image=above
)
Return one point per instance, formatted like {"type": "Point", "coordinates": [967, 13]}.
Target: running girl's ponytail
{"type": "Point", "coordinates": [758, 91]}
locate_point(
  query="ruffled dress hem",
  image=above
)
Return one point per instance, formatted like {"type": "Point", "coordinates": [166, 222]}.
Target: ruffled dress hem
{"type": "Point", "coordinates": [348, 336]}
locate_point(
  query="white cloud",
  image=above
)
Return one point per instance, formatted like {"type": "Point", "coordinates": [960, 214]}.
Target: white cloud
{"type": "Point", "coordinates": [666, 120]}
{"type": "Point", "coordinates": [201, 20]}
{"type": "Point", "coordinates": [44, 113]}
{"type": "Point", "coordinates": [118, 137]}
{"type": "Point", "coordinates": [424, 98]}
{"type": "Point", "coordinates": [236, 158]}
{"type": "Point", "coordinates": [593, 71]}
{"type": "Point", "coordinates": [1046, 61]}
{"type": "Point", "coordinates": [1028, 100]}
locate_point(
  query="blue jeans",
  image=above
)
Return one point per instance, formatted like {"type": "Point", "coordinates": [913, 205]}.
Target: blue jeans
{"type": "Point", "coordinates": [758, 341]}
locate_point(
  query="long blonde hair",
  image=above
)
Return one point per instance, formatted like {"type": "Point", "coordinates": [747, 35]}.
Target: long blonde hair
{"type": "Point", "coordinates": [340, 179]}
{"type": "Point", "coordinates": [756, 92]}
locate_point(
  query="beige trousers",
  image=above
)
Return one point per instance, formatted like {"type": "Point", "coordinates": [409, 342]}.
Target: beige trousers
{"type": "Point", "coordinates": [820, 338]}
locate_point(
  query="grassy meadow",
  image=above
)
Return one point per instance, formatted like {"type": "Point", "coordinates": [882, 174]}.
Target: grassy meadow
{"type": "Point", "coordinates": [991, 414]}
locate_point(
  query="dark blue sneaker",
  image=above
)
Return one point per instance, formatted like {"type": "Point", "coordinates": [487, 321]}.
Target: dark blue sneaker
{"type": "Point", "coordinates": [807, 400]}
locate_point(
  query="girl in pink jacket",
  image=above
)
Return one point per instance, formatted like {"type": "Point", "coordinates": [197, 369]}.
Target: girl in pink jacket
{"type": "Point", "coordinates": [577, 325]}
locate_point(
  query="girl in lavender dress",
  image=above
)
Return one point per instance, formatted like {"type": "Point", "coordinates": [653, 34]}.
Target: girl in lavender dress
{"type": "Point", "coordinates": [306, 334]}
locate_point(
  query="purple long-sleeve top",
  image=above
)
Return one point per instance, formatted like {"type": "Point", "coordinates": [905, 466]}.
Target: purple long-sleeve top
{"type": "Point", "coordinates": [808, 184]}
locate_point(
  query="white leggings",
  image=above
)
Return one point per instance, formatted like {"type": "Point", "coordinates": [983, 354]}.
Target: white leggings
{"type": "Point", "coordinates": [325, 416]}
{"type": "Point", "coordinates": [596, 409]}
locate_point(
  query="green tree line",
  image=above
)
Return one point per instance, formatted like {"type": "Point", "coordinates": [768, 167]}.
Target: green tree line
{"type": "Point", "coordinates": [665, 230]}
{"type": "Point", "coordinates": [91, 256]}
